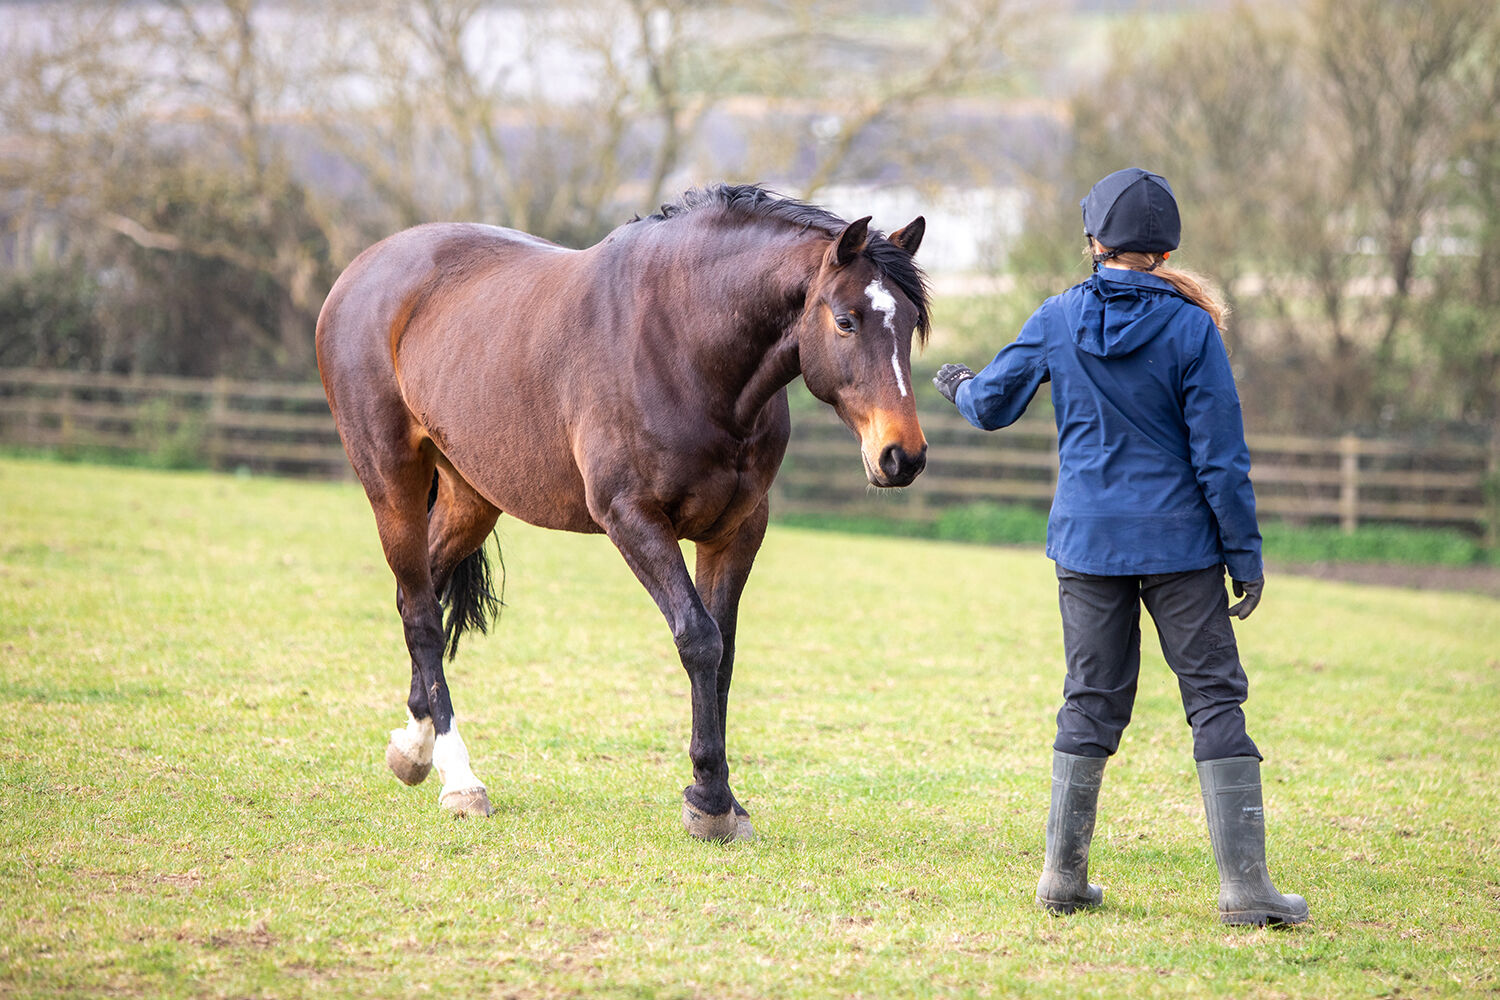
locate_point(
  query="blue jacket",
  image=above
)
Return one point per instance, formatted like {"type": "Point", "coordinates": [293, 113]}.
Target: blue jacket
{"type": "Point", "coordinates": [1154, 472]}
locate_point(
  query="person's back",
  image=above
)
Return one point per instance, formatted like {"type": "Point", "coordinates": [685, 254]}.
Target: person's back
{"type": "Point", "coordinates": [1153, 470]}
{"type": "Point", "coordinates": [1153, 502]}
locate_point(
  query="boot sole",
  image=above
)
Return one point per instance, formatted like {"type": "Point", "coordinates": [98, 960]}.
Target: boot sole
{"type": "Point", "coordinates": [1261, 918]}
{"type": "Point", "coordinates": [1063, 909]}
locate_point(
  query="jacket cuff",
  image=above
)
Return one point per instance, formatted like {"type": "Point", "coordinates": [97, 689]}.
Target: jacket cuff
{"type": "Point", "coordinates": [1244, 566]}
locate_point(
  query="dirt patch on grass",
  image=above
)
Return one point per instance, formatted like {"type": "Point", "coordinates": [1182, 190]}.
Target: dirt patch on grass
{"type": "Point", "coordinates": [182, 880]}
{"type": "Point", "coordinates": [1464, 579]}
{"type": "Point", "coordinates": [258, 936]}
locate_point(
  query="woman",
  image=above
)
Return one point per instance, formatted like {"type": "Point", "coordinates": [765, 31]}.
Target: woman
{"type": "Point", "coordinates": [1153, 502]}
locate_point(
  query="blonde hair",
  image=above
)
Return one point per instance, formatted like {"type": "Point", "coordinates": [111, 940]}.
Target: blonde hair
{"type": "Point", "coordinates": [1194, 287]}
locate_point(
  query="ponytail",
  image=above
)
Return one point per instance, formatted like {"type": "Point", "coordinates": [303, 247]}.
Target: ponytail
{"type": "Point", "coordinates": [1196, 288]}
{"type": "Point", "coordinates": [1199, 291]}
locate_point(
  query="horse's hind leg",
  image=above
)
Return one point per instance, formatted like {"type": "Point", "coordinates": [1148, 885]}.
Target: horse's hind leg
{"type": "Point", "coordinates": [409, 752]}
{"type": "Point", "coordinates": [397, 489]}
{"type": "Point", "coordinates": [398, 495]}
{"type": "Point", "coordinates": [459, 523]}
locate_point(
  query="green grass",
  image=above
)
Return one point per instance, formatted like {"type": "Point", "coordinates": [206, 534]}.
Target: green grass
{"type": "Point", "coordinates": [198, 673]}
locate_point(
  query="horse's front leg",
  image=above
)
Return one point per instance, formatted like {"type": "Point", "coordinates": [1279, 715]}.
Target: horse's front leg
{"type": "Point", "coordinates": [645, 538]}
{"type": "Point", "coordinates": [723, 567]}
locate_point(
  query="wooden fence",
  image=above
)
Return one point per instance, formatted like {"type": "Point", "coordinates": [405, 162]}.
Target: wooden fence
{"type": "Point", "coordinates": [286, 428]}
{"type": "Point", "coordinates": [1331, 480]}
{"type": "Point", "coordinates": [224, 423]}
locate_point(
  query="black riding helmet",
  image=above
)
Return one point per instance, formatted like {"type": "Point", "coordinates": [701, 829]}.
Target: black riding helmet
{"type": "Point", "coordinates": [1132, 210]}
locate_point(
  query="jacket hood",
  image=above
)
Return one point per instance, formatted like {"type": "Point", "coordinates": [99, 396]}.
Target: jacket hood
{"type": "Point", "coordinates": [1123, 310]}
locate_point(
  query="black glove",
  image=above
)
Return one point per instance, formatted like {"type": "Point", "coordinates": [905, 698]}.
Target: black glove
{"type": "Point", "coordinates": [1250, 591]}
{"type": "Point", "coordinates": [949, 378]}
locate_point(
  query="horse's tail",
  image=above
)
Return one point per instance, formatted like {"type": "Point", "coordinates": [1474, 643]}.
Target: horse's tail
{"type": "Point", "coordinates": [470, 598]}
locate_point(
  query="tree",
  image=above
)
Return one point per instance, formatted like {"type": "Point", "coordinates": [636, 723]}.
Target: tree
{"type": "Point", "coordinates": [875, 85]}
{"type": "Point", "coordinates": [568, 155]}
{"type": "Point", "coordinates": [1323, 166]}
{"type": "Point", "coordinates": [214, 163]}
{"type": "Point", "coordinates": [1459, 322]}
{"type": "Point", "coordinates": [1390, 87]}
{"type": "Point", "coordinates": [145, 143]}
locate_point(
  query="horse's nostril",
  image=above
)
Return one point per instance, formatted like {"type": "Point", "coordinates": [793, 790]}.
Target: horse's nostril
{"type": "Point", "coordinates": [891, 458]}
{"type": "Point", "coordinates": [901, 466]}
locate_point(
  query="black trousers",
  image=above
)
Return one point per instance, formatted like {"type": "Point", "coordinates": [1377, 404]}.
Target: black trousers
{"type": "Point", "coordinates": [1101, 618]}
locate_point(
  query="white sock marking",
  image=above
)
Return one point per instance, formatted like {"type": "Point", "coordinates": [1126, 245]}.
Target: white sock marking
{"type": "Point", "coordinates": [451, 758]}
{"type": "Point", "coordinates": [884, 302]}
{"type": "Point", "coordinates": [416, 739]}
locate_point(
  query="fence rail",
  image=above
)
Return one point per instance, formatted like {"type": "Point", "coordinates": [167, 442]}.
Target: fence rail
{"type": "Point", "coordinates": [1345, 481]}
{"type": "Point", "coordinates": [225, 423]}
{"type": "Point", "coordinates": [286, 428]}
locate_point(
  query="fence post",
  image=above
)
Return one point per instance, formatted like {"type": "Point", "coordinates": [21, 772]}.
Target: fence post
{"type": "Point", "coordinates": [34, 413]}
{"type": "Point", "coordinates": [1348, 483]}
{"type": "Point", "coordinates": [1492, 493]}
{"type": "Point", "coordinates": [66, 429]}
{"type": "Point", "coordinates": [218, 412]}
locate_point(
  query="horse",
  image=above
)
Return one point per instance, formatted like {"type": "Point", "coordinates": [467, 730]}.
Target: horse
{"type": "Point", "coordinates": [637, 388]}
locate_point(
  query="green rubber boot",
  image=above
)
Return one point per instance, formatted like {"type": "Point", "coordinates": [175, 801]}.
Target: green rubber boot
{"type": "Point", "coordinates": [1064, 886]}
{"type": "Point", "coordinates": [1237, 829]}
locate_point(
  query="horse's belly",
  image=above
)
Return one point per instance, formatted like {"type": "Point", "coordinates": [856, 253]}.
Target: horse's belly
{"type": "Point", "coordinates": [553, 494]}
{"type": "Point", "coordinates": [536, 504]}
{"type": "Point", "coordinates": [527, 476]}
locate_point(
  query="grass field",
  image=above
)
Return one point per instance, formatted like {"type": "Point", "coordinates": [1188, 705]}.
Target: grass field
{"type": "Point", "coordinates": [198, 673]}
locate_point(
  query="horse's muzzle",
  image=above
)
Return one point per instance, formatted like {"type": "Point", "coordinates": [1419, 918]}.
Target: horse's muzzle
{"type": "Point", "coordinates": [897, 466]}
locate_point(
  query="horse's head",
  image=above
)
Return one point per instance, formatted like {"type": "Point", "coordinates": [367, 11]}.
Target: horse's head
{"type": "Point", "coordinates": [864, 306]}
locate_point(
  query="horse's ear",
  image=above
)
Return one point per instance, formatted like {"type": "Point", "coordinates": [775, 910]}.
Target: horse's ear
{"type": "Point", "coordinates": [909, 236]}
{"type": "Point", "coordinates": [849, 243]}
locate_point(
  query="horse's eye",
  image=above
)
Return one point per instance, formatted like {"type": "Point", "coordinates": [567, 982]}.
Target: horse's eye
{"type": "Point", "coordinates": [845, 323]}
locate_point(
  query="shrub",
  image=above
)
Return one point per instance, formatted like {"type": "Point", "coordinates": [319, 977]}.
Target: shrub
{"type": "Point", "coordinates": [1385, 543]}
{"type": "Point", "coordinates": [993, 524]}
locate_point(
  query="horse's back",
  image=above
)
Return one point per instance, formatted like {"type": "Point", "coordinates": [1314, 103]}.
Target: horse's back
{"type": "Point", "coordinates": [406, 280]}
{"type": "Point", "coordinates": [443, 332]}
{"type": "Point", "coordinates": [553, 381]}
{"type": "Point", "coordinates": [377, 284]}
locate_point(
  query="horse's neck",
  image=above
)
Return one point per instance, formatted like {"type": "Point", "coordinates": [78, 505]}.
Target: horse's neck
{"type": "Point", "coordinates": [761, 281]}
{"type": "Point", "coordinates": [770, 359]}
{"type": "Point", "coordinates": [778, 366]}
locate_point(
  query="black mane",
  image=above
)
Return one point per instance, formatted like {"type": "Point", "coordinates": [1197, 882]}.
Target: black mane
{"type": "Point", "coordinates": [753, 200]}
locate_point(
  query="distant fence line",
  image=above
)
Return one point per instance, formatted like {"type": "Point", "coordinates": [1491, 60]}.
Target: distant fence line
{"type": "Point", "coordinates": [225, 423]}
{"type": "Point", "coordinates": [286, 428]}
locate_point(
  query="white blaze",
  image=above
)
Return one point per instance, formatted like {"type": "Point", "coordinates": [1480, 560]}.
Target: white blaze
{"type": "Point", "coordinates": [884, 303]}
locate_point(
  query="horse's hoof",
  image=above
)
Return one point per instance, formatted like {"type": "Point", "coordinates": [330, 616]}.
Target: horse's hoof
{"type": "Point", "coordinates": [466, 802]}
{"type": "Point", "coordinates": [742, 828]}
{"type": "Point", "coordinates": [706, 827]}
{"type": "Point", "coordinates": [403, 765]}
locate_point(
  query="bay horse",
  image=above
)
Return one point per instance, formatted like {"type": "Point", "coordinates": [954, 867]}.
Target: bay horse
{"type": "Point", "coordinates": [635, 388]}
